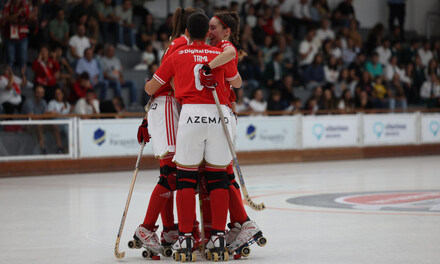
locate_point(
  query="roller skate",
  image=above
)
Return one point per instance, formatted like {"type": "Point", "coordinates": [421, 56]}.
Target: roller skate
{"type": "Point", "coordinates": [249, 234]}
{"type": "Point", "coordinates": [216, 247]}
{"type": "Point", "coordinates": [232, 232]}
{"type": "Point", "coordinates": [184, 248]}
{"type": "Point", "coordinates": [196, 236]}
{"type": "Point", "coordinates": [168, 237]}
{"type": "Point", "coordinates": [145, 237]}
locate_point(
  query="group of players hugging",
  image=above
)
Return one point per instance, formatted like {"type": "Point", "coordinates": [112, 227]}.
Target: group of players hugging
{"type": "Point", "coordinates": [196, 156]}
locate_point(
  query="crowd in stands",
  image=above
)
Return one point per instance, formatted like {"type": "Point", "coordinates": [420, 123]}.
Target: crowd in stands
{"type": "Point", "coordinates": [289, 44]}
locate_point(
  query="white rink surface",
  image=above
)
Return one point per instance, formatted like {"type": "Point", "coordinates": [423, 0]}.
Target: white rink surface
{"type": "Point", "coordinates": [75, 218]}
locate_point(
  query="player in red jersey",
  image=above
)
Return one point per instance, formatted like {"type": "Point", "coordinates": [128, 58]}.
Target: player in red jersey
{"type": "Point", "coordinates": [200, 136]}
{"type": "Point", "coordinates": [162, 119]}
{"type": "Point", "coordinates": [223, 33]}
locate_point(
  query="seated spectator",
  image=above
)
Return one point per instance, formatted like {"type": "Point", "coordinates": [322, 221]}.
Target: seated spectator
{"type": "Point", "coordinates": [124, 14]}
{"type": "Point", "coordinates": [396, 94]}
{"type": "Point", "coordinates": [410, 53]}
{"type": "Point", "coordinates": [66, 75]}
{"type": "Point", "coordinates": [10, 90]}
{"type": "Point", "coordinates": [112, 68]}
{"type": "Point", "coordinates": [355, 35]}
{"type": "Point", "coordinates": [37, 106]}
{"type": "Point", "coordinates": [268, 49]}
{"type": "Point", "coordinates": [337, 48]}
{"type": "Point", "coordinates": [314, 10]}
{"type": "Point", "coordinates": [287, 88]}
{"type": "Point", "coordinates": [90, 65]}
{"type": "Point", "coordinates": [146, 33]}
{"type": "Point", "coordinates": [396, 50]}
{"type": "Point", "coordinates": [59, 31]}
{"type": "Point", "coordinates": [374, 67]}
{"type": "Point", "coordinates": [325, 32]}
{"type": "Point", "coordinates": [430, 91]}
{"type": "Point", "coordinates": [278, 26]}
{"type": "Point", "coordinates": [395, 35]}
{"type": "Point", "coordinates": [242, 102]}
{"type": "Point", "coordinates": [268, 20]}
{"type": "Point", "coordinates": [347, 11]}
{"type": "Point", "coordinates": [251, 19]}
{"type": "Point", "coordinates": [346, 102]}
{"type": "Point", "coordinates": [275, 71]}
{"type": "Point", "coordinates": [343, 83]}
{"type": "Point", "coordinates": [149, 56]}
{"type": "Point", "coordinates": [295, 105]}
{"type": "Point", "coordinates": [87, 105]}
{"type": "Point", "coordinates": [380, 93]}
{"type": "Point", "coordinates": [80, 87]}
{"type": "Point", "coordinates": [78, 44]}
{"type": "Point", "coordinates": [366, 83]}
{"type": "Point", "coordinates": [258, 105]}
{"type": "Point", "coordinates": [364, 102]}
{"type": "Point", "coordinates": [116, 105]}
{"type": "Point", "coordinates": [384, 52]}
{"type": "Point", "coordinates": [107, 17]}
{"type": "Point", "coordinates": [393, 69]}
{"type": "Point", "coordinates": [287, 53]}
{"type": "Point", "coordinates": [425, 53]}
{"type": "Point", "coordinates": [328, 101]}
{"type": "Point", "coordinates": [85, 14]}
{"type": "Point", "coordinates": [47, 72]}
{"type": "Point", "coordinates": [165, 29]}
{"type": "Point", "coordinates": [349, 52]}
{"type": "Point", "coordinates": [59, 106]}
{"type": "Point", "coordinates": [314, 74]}
{"type": "Point", "coordinates": [331, 70]}
{"type": "Point", "coordinates": [374, 39]}
{"type": "Point", "coordinates": [432, 68]}
{"type": "Point", "coordinates": [357, 67]}
{"type": "Point", "coordinates": [307, 49]}
{"type": "Point", "coordinates": [276, 102]}
{"type": "Point", "coordinates": [302, 17]}
{"type": "Point", "coordinates": [312, 104]}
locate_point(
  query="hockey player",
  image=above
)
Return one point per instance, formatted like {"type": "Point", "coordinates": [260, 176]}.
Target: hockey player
{"type": "Point", "coordinates": [163, 118]}
{"type": "Point", "coordinates": [223, 33]}
{"type": "Point", "coordinates": [200, 135]}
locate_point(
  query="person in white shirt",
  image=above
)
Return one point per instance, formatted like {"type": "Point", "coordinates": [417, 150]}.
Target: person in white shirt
{"type": "Point", "coordinates": [87, 105]}
{"type": "Point", "coordinates": [392, 69]}
{"type": "Point", "coordinates": [59, 105]}
{"type": "Point", "coordinates": [325, 32]}
{"type": "Point", "coordinates": [78, 44]}
{"type": "Point", "coordinates": [307, 49]}
{"type": "Point", "coordinates": [258, 105]}
{"type": "Point", "coordinates": [425, 53]}
{"type": "Point", "coordinates": [301, 10]}
{"type": "Point", "coordinates": [430, 91]}
{"type": "Point", "coordinates": [10, 89]}
{"type": "Point", "coordinates": [384, 52]}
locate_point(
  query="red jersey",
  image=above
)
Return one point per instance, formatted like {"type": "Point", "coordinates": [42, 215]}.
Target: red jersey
{"type": "Point", "coordinates": [223, 45]}
{"type": "Point", "coordinates": [45, 72]}
{"type": "Point", "coordinates": [175, 45]}
{"type": "Point", "coordinates": [184, 65]}
{"type": "Point", "coordinates": [18, 29]}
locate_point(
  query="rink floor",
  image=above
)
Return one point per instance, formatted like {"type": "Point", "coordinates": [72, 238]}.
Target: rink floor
{"type": "Point", "coordinates": [309, 219]}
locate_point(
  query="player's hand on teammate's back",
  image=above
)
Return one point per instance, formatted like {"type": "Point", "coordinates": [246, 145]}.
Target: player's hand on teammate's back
{"type": "Point", "coordinates": [206, 78]}
{"type": "Point", "coordinates": [143, 134]}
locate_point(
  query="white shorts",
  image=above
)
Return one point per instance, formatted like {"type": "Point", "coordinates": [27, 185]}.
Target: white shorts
{"type": "Point", "coordinates": [201, 136]}
{"type": "Point", "coordinates": [163, 118]}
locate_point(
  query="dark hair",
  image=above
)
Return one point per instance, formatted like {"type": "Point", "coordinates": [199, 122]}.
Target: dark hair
{"type": "Point", "coordinates": [180, 19]}
{"type": "Point", "coordinates": [64, 98]}
{"type": "Point", "coordinates": [198, 26]}
{"type": "Point", "coordinates": [84, 76]}
{"type": "Point", "coordinates": [90, 91]}
{"type": "Point", "coordinates": [232, 21]}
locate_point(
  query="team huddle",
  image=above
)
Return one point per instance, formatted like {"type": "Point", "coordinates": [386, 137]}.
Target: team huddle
{"type": "Point", "coordinates": [186, 133]}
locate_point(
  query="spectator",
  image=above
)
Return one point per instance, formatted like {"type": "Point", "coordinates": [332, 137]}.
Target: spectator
{"type": "Point", "coordinates": [276, 102]}
{"type": "Point", "coordinates": [15, 18]}
{"type": "Point", "coordinates": [397, 10]}
{"type": "Point", "coordinates": [268, 49]}
{"type": "Point", "coordinates": [364, 102]}
{"type": "Point", "coordinates": [374, 67]}
{"type": "Point", "coordinates": [37, 106]}
{"type": "Point", "coordinates": [337, 48]}
{"type": "Point", "coordinates": [166, 28]}
{"type": "Point", "coordinates": [245, 9]}
{"type": "Point", "coordinates": [384, 52]}
{"type": "Point", "coordinates": [419, 76]}
{"type": "Point", "coordinates": [328, 101]}
{"type": "Point", "coordinates": [302, 17]}
{"type": "Point", "coordinates": [275, 71]}
{"type": "Point", "coordinates": [78, 44]}
{"type": "Point", "coordinates": [59, 106]}
{"type": "Point", "coordinates": [146, 33]}
{"type": "Point", "coordinates": [314, 75]}
{"type": "Point", "coordinates": [242, 102]}
{"type": "Point", "coordinates": [430, 91]}
{"type": "Point", "coordinates": [346, 102]}
{"type": "Point", "coordinates": [347, 12]}
{"type": "Point", "coordinates": [410, 53]}
{"type": "Point", "coordinates": [90, 65]}
{"type": "Point", "coordinates": [375, 37]}
{"type": "Point", "coordinates": [87, 105]}
{"type": "Point", "coordinates": [107, 17]}
{"type": "Point", "coordinates": [47, 72]}
{"type": "Point", "coordinates": [59, 31]}
{"type": "Point", "coordinates": [112, 69]}
{"type": "Point", "coordinates": [396, 50]}
{"type": "Point", "coordinates": [395, 35]}
{"type": "Point", "coordinates": [432, 68]}
{"type": "Point", "coordinates": [366, 83]}
{"type": "Point", "coordinates": [307, 49]}
{"type": "Point", "coordinates": [355, 35]}
{"type": "Point", "coordinates": [287, 88]}
{"type": "Point", "coordinates": [331, 70]}
{"type": "Point", "coordinates": [380, 93]}
{"type": "Point", "coordinates": [88, 17]}
{"type": "Point", "coordinates": [349, 53]}
{"type": "Point", "coordinates": [124, 14]}
{"type": "Point", "coordinates": [396, 93]}
{"type": "Point", "coordinates": [343, 83]}
{"type": "Point", "coordinates": [286, 52]}
{"type": "Point", "coordinates": [425, 53]}
{"type": "Point", "coordinates": [312, 104]}
{"type": "Point", "coordinates": [277, 20]}
{"type": "Point", "coordinates": [258, 105]}
{"type": "Point", "coordinates": [393, 69]}
{"type": "Point", "coordinates": [295, 105]}
{"type": "Point", "coordinates": [436, 50]}
{"type": "Point", "coordinates": [10, 90]}
{"type": "Point", "coordinates": [357, 67]}
{"type": "Point", "coordinates": [317, 94]}
{"type": "Point", "coordinates": [80, 87]}
{"type": "Point", "coordinates": [250, 18]}
{"type": "Point", "coordinates": [325, 32]}
{"type": "Point", "coordinates": [66, 75]}
{"type": "Point", "coordinates": [116, 105]}
{"type": "Point", "coordinates": [314, 10]}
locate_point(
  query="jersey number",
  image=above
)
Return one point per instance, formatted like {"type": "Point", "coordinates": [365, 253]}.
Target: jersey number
{"type": "Point", "coordinates": [199, 86]}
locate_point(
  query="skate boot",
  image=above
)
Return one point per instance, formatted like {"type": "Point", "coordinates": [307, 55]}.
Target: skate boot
{"type": "Point", "coordinates": [146, 237]}
{"type": "Point", "coordinates": [216, 247]}
{"type": "Point", "coordinates": [249, 234]}
{"type": "Point", "coordinates": [184, 248]}
{"type": "Point", "coordinates": [197, 236]}
{"type": "Point", "coordinates": [232, 232]}
{"type": "Point", "coordinates": [168, 237]}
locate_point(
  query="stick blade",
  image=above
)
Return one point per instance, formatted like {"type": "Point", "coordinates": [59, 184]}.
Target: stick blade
{"type": "Point", "coordinates": [119, 255]}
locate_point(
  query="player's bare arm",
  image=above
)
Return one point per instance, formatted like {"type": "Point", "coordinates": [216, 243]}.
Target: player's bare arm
{"type": "Point", "coordinates": [152, 86]}
{"type": "Point", "coordinates": [237, 82]}
{"type": "Point", "coordinates": [227, 55]}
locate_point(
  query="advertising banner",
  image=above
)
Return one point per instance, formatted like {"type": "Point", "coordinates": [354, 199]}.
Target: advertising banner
{"type": "Point", "coordinates": [430, 128]}
{"type": "Point", "coordinates": [266, 133]}
{"type": "Point", "coordinates": [330, 131]}
{"type": "Point", "coordinates": [112, 137]}
{"type": "Point", "coordinates": [390, 129]}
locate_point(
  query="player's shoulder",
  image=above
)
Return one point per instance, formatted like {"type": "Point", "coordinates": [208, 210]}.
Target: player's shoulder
{"type": "Point", "coordinates": [182, 40]}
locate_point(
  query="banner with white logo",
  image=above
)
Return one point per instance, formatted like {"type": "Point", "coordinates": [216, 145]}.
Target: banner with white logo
{"type": "Point", "coordinates": [330, 131]}
{"type": "Point", "coordinates": [390, 129]}
{"type": "Point", "coordinates": [111, 137]}
{"type": "Point", "coordinates": [430, 128]}
{"type": "Point", "coordinates": [266, 133]}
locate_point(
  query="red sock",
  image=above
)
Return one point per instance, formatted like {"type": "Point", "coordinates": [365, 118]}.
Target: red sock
{"type": "Point", "coordinates": [206, 210]}
{"type": "Point", "coordinates": [158, 198]}
{"type": "Point", "coordinates": [167, 213]}
{"type": "Point", "coordinates": [236, 208]}
{"type": "Point", "coordinates": [186, 205]}
{"type": "Point", "coordinates": [219, 205]}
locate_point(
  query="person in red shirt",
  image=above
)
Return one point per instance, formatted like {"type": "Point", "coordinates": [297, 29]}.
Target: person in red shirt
{"type": "Point", "coordinates": [15, 18]}
{"type": "Point", "coordinates": [46, 72]}
{"type": "Point", "coordinates": [80, 87]}
{"type": "Point", "coordinates": [200, 136]}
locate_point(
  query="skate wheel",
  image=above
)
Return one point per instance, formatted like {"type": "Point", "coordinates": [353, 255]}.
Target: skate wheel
{"type": "Point", "coordinates": [225, 256]}
{"type": "Point", "coordinates": [182, 257]}
{"type": "Point", "coordinates": [131, 244]}
{"type": "Point", "coordinates": [155, 257]}
{"type": "Point", "coordinates": [237, 256]}
{"type": "Point", "coordinates": [193, 257]}
{"type": "Point", "coordinates": [215, 256]}
{"type": "Point", "coordinates": [245, 251]}
{"type": "Point", "coordinates": [167, 252]}
{"type": "Point", "coordinates": [262, 241]}
{"type": "Point", "coordinates": [176, 256]}
{"type": "Point", "coordinates": [208, 255]}
{"type": "Point", "coordinates": [146, 254]}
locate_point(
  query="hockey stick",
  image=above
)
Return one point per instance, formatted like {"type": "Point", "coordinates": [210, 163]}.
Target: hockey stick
{"type": "Point", "coordinates": [118, 254]}
{"type": "Point", "coordinates": [257, 207]}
